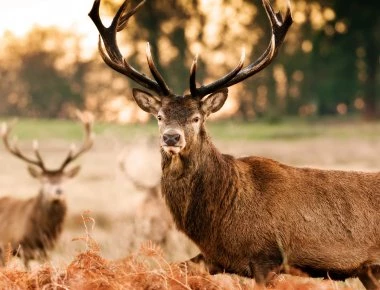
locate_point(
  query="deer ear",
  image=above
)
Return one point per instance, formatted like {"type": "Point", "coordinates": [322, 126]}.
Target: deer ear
{"type": "Point", "coordinates": [214, 102]}
{"type": "Point", "coordinates": [34, 172]}
{"type": "Point", "coordinates": [72, 172]}
{"type": "Point", "coordinates": [146, 101]}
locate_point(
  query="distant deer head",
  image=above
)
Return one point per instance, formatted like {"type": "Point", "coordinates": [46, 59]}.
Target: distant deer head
{"type": "Point", "coordinates": [51, 179]}
{"type": "Point", "coordinates": [152, 217]}
{"type": "Point", "coordinates": [181, 117]}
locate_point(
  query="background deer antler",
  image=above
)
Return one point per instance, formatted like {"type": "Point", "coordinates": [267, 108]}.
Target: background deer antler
{"type": "Point", "coordinates": [86, 119]}
{"type": "Point", "coordinates": [15, 150]}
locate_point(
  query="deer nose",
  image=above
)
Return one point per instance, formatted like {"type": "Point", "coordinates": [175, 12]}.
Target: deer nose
{"type": "Point", "coordinates": [171, 139]}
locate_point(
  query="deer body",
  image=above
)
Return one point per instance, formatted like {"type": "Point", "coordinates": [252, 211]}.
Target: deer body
{"type": "Point", "coordinates": [264, 212]}
{"type": "Point", "coordinates": [153, 220]}
{"type": "Point", "coordinates": [251, 215]}
{"type": "Point", "coordinates": [34, 225]}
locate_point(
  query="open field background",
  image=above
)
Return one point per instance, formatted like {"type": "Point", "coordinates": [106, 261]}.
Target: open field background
{"type": "Point", "coordinates": [113, 201]}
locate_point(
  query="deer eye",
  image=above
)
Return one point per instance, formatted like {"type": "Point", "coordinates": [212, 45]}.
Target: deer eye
{"type": "Point", "coordinates": [159, 118]}
{"type": "Point", "coordinates": [196, 119]}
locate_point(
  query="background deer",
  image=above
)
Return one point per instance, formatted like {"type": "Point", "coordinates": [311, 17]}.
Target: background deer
{"type": "Point", "coordinates": [153, 220]}
{"type": "Point", "coordinates": [251, 215]}
{"type": "Point", "coordinates": [32, 226]}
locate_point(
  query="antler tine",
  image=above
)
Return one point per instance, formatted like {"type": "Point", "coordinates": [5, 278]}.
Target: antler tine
{"type": "Point", "coordinates": [203, 91]}
{"type": "Point", "coordinates": [193, 77]}
{"type": "Point", "coordinates": [279, 27]}
{"type": "Point", "coordinates": [86, 119]}
{"type": "Point", "coordinates": [15, 150]}
{"type": "Point", "coordinates": [111, 54]}
{"type": "Point", "coordinates": [124, 19]}
{"type": "Point", "coordinates": [36, 150]}
{"type": "Point", "coordinates": [156, 74]}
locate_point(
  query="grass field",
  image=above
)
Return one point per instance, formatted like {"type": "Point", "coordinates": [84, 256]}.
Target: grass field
{"type": "Point", "coordinates": [111, 198]}
{"type": "Point", "coordinates": [290, 129]}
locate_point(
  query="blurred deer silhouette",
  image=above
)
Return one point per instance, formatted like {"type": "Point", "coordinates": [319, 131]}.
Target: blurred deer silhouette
{"type": "Point", "coordinates": [31, 227]}
{"type": "Point", "coordinates": [153, 220]}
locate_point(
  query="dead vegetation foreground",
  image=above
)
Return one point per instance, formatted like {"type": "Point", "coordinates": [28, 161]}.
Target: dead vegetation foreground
{"type": "Point", "coordinates": [147, 269]}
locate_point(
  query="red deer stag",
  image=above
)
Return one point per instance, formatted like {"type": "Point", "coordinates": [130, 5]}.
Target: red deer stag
{"type": "Point", "coordinates": [32, 226]}
{"type": "Point", "coordinates": [251, 215]}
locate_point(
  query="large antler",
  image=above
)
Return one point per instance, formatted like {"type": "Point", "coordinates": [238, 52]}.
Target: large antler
{"type": "Point", "coordinates": [112, 56]}
{"type": "Point", "coordinates": [87, 120]}
{"type": "Point", "coordinates": [279, 27]}
{"type": "Point", "coordinates": [14, 149]}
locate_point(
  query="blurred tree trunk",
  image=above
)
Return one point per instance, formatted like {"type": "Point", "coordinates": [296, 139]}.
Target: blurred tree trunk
{"type": "Point", "coordinates": [363, 33]}
{"type": "Point", "coordinates": [151, 18]}
{"type": "Point", "coordinates": [371, 99]}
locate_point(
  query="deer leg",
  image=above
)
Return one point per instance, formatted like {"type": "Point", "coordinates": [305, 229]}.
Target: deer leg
{"type": "Point", "coordinates": [200, 264]}
{"type": "Point", "coordinates": [27, 264]}
{"type": "Point", "coordinates": [370, 277]}
{"type": "Point", "coordinates": [210, 266]}
{"type": "Point", "coordinates": [264, 273]}
{"type": "Point", "coordinates": [261, 272]}
{"type": "Point", "coordinates": [2, 258]}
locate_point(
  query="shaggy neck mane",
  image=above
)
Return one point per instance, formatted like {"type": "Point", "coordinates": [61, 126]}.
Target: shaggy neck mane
{"type": "Point", "coordinates": [188, 185]}
{"type": "Point", "coordinates": [46, 223]}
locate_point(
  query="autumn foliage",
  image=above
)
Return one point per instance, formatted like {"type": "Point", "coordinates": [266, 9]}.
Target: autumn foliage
{"type": "Point", "coordinates": [146, 269]}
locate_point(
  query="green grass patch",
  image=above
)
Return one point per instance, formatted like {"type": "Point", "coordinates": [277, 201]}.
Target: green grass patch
{"type": "Point", "coordinates": [294, 129]}
{"type": "Point", "coordinates": [290, 129]}
{"type": "Point", "coordinates": [28, 129]}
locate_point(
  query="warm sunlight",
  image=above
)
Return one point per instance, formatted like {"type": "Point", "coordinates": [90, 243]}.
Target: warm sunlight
{"type": "Point", "coordinates": [19, 16]}
{"type": "Point", "coordinates": [325, 64]}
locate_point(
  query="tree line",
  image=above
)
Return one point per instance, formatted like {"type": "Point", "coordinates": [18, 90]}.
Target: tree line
{"type": "Point", "coordinates": [329, 63]}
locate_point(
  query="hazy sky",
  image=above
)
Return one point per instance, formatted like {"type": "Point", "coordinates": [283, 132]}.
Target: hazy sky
{"type": "Point", "coordinates": [19, 16]}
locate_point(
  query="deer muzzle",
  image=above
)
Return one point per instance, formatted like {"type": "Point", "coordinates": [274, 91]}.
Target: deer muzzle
{"type": "Point", "coordinates": [172, 141]}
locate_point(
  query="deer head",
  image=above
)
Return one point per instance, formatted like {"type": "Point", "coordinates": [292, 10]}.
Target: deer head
{"type": "Point", "coordinates": [181, 117]}
{"type": "Point", "coordinates": [51, 179]}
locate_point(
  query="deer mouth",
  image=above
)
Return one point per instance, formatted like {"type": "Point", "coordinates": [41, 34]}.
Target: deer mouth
{"type": "Point", "coordinates": [57, 201]}
{"type": "Point", "coordinates": [172, 149]}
